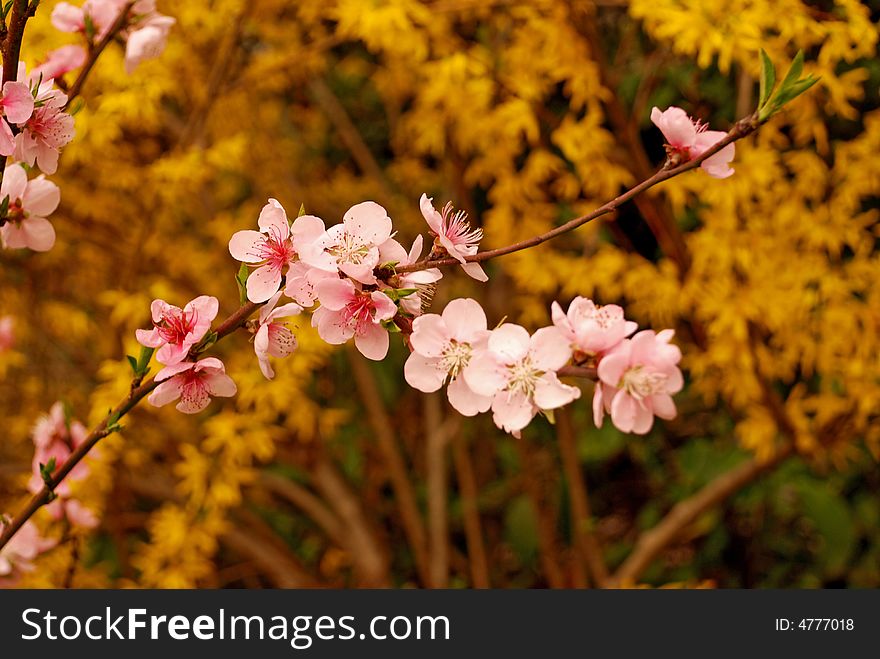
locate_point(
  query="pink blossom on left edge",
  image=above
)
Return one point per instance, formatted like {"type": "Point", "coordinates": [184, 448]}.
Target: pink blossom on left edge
{"type": "Point", "coordinates": [55, 438]}
{"type": "Point", "coordinates": [175, 330]}
{"type": "Point", "coordinates": [17, 106]}
{"type": "Point", "coordinates": [29, 203]}
{"type": "Point", "coordinates": [194, 383]}
{"type": "Point", "coordinates": [7, 333]}
{"type": "Point", "coordinates": [19, 553]}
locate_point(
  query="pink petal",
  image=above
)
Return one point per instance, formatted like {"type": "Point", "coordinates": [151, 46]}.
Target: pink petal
{"type": "Point", "coordinates": [465, 320]}
{"type": "Point", "coordinates": [335, 293]}
{"type": "Point", "coordinates": [263, 283]}
{"type": "Point", "coordinates": [372, 342]}
{"type": "Point", "coordinates": [384, 307]}
{"type": "Point", "coordinates": [306, 229]}
{"type": "Point", "coordinates": [245, 246]}
{"type": "Point", "coordinates": [512, 412]}
{"type": "Point", "coordinates": [17, 102]}
{"type": "Point", "coordinates": [392, 251]}
{"type": "Point", "coordinates": [465, 400]}
{"type": "Point", "coordinates": [624, 409]}
{"type": "Point", "coordinates": [431, 215]}
{"type": "Point", "coordinates": [7, 140]}
{"type": "Point", "coordinates": [550, 393]}
{"type": "Point", "coordinates": [149, 338]}
{"type": "Point", "coordinates": [369, 221]}
{"type": "Point", "coordinates": [219, 384]}
{"type": "Point", "coordinates": [663, 406]}
{"type": "Point", "coordinates": [41, 197]}
{"type": "Point", "coordinates": [266, 309]}
{"type": "Point", "coordinates": [475, 270]}
{"type": "Point", "coordinates": [362, 272]}
{"type": "Point", "coordinates": [678, 129]}
{"type": "Point", "coordinates": [484, 374]}
{"type": "Point", "coordinates": [509, 342]}
{"type": "Point", "coordinates": [281, 341]}
{"type": "Point", "coordinates": [285, 311]}
{"type": "Point", "coordinates": [424, 373]}
{"type": "Point", "coordinates": [194, 397]}
{"type": "Point", "coordinates": [612, 365]}
{"type": "Point", "coordinates": [644, 419]}
{"type": "Point", "coordinates": [67, 18]}
{"type": "Point", "coordinates": [549, 349]}
{"type": "Point", "coordinates": [273, 220]}
{"type": "Point", "coordinates": [15, 182]}
{"type": "Point", "coordinates": [173, 369]}
{"type": "Point", "coordinates": [35, 233]}
{"type": "Point", "coordinates": [598, 405]}
{"type": "Point", "coordinates": [166, 392]}
{"type": "Point", "coordinates": [430, 335]}
{"type": "Point", "coordinates": [331, 326]}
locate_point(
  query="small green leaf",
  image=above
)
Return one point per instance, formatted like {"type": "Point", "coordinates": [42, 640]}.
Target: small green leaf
{"type": "Point", "coordinates": [133, 363]}
{"type": "Point", "coordinates": [144, 360]}
{"type": "Point", "coordinates": [209, 340]}
{"type": "Point", "coordinates": [794, 71]}
{"type": "Point", "coordinates": [768, 79]}
{"type": "Point", "coordinates": [391, 326]}
{"type": "Point", "coordinates": [399, 293]}
{"type": "Point", "coordinates": [46, 470]}
{"type": "Point", "coordinates": [241, 278]}
{"type": "Point", "coordinates": [302, 210]}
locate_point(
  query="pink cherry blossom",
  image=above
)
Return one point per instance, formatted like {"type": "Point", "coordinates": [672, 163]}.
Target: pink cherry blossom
{"type": "Point", "coordinates": [194, 383]}
{"type": "Point", "coordinates": [147, 41]}
{"type": "Point", "coordinates": [60, 61]}
{"type": "Point", "coordinates": [589, 328]}
{"type": "Point", "coordinates": [637, 380]}
{"type": "Point", "coordinates": [273, 338]}
{"type": "Point", "coordinates": [19, 553]}
{"type": "Point", "coordinates": [273, 248]}
{"type": "Point", "coordinates": [454, 234]}
{"type": "Point", "coordinates": [346, 312]}
{"type": "Point", "coordinates": [519, 372]}
{"type": "Point", "coordinates": [353, 246]}
{"type": "Point", "coordinates": [301, 280]}
{"type": "Point", "coordinates": [55, 437]}
{"type": "Point", "coordinates": [422, 281]}
{"type": "Point", "coordinates": [47, 130]}
{"type": "Point", "coordinates": [689, 139]}
{"type": "Point", "coordinates": [175, 330]}
{"type": "Point", "coordinates": [29, 204]}
{"type": "Point", "coordinates": [17, 106]}
{"type": "Point", "coordinates": [443, 346]}
{"type": "Point", "coordinates": [102, 14]}
{"type": "Point", "coordinates": [7, 333]}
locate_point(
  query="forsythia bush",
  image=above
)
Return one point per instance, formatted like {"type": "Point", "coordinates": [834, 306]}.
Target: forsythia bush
{"type": "Point", "coordinates": [525, 114]}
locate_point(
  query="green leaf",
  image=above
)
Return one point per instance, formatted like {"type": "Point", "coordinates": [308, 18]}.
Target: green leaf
{"type": "Point", "coordinates": [768, 79]}
{"type": "Point", "coordinates": [133, 363]}
{"type": "Point", "coordinates": [794, 71]}
{"type": "Point", "coordinates": [792, 91]}
{"type": "Point", "coordinates": [391, 326]}
{"type": "Point", "coordinates": [46, 470]}
{"type": "Point", "coordinates": [399, 293]}
{"type": "Point", "coordinates": [241, 278]}
{"type": "Point", "coordinates": [302, 210]}
{"type": "Point", "coordinates": [90, 26]}
{"type": "Point", "coordinates": [144, 360]}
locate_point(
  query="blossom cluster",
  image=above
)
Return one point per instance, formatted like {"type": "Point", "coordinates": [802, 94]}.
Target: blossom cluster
{"type": "Point", "coordinates": [34, 123]}
{"type": "Point", "coordinates": [516, 374]}
{"type": "Point", "coordinates": [144, 32]}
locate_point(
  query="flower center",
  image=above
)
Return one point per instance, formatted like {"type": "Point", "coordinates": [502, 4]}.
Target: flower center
{"type": "Point", "coordinates": [175, 324]}
{"type": "Point", "coordinates": [640, 383]}
{"type": "Point", "coordinates": [522, 377]}
{"type": "Point", "coordinates": [457, 228]}
{"type": "Point", "coordinates": [455, 357]}
{"type": "Point", "coordinates": [276, 251]}
{"type": "Point", "coordinates": [350, 249]}
{"type": "Point", "coordinates": [358, 313]}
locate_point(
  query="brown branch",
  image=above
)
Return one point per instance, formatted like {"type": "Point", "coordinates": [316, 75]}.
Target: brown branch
{"type": "Point", "coordinates": [368, 553]}
{"type": "Point", "coordinates": [468, 491]}
{"type": "Point", "coordinates": [581, 516]}
{"type": "Point", "coordinates": [404, 492]}
{"type": "Point", "coordinates": [741, 129]}
{"type": "Point", "coordinates": [683, 514]}
{"type": "Point", "coordinates": [438, 433]}
{"type": "Point", "coordinates": [95, 51]}
{"type": "Point", "coordinates": [105, 428]}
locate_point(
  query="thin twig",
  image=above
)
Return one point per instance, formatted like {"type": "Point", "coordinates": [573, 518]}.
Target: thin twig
{"type": "Point", "coordinates": [468, 491]}
{"type": "Point", "coordinates": [741, 129]}
{"type": "Point", "coordinates": [95, 51]}
{"type": "Point", "coordinates": [581, 515]}
{"type": "Point", "coordinates": [377, 415]}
